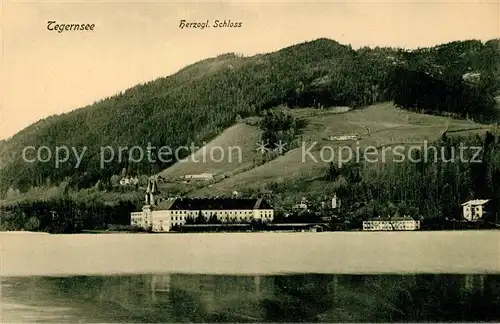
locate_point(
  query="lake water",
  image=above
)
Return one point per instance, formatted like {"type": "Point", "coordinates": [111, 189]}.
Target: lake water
{"type": "Point", "coordinates": [171, 298]}
{"type": "Point", "coordinates": [250, 277]}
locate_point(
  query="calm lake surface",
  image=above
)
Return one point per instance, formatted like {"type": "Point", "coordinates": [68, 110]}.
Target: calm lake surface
{"type": "Point", "coordinates": [171, 298]}
{"type": "Point", "coordinates": [250, 277]}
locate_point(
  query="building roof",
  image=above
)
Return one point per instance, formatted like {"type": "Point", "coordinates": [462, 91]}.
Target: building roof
{"type": "Point", "coordinates": [476, 202]}
{"type": "Point", "coordinates": [213, 204]}
{"type": "Point", "coordinates": [165, 204]}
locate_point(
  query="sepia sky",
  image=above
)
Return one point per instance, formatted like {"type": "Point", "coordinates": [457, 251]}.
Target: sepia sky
{"type": "Point", "coordinates": [45, 72]}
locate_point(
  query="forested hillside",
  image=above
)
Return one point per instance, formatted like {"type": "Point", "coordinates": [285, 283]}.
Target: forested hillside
{"type": "Point", "coordinates": [200, 101]}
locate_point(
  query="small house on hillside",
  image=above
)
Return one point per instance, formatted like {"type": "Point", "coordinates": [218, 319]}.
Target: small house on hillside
{"type": "Point", "coordinates": [126, 181]}
{"type": "Point", "coordinates": [201, 176]}
{"type": "Point", "coordinates": [352, 137]}
{"type": "Point", "coordinates": [472, 77]}
{"type": "Point", "coordinates": [475, 210]}
{"type": "Point", "coordinates": [335, 202]}
{"type": "Point", "coordinates": [302, 205]}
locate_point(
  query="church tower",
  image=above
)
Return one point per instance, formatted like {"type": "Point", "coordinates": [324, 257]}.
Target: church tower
{"type": "Point", "coordinates": [151, 191]}
{"type": "Point", "coordinates": [150, 201]}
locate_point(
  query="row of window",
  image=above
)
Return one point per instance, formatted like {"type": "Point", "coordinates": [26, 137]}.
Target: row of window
{"type": "Point", "coordinates": [180, 212]}
{"type": "Point", "coordinates": [183, 218]}
{"type": "Point", "coordinates": [388, 226]}
{"type": "Point", "coordinates": [389, 222]}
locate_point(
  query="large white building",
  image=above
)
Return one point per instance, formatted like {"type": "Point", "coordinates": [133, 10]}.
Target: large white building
{"type": "Point", "coordinates": [162, 216]}
{"type": "Point", "coordinates": [474, 210]}
{"type": "Point", "coordinates": [391, 224]}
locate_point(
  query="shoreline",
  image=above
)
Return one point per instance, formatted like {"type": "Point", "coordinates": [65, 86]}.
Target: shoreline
{"type": "Point", "coordinates": [108, 232]}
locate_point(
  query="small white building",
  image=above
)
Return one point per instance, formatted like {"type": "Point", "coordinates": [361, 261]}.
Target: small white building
{"type": "Point", "coordinates": [391, 224]}
{"type": "Point", "coordinates": [302, 205]}
{"type": "Point", "coordinates": [129, 181]}
{"type": "Point", "coordinates": [201, 176]}
{"type": "Point", "coordinates": [124, 181]}
{"type": "Point", "coordinates": [472, 77]}
{"type": "Point", "coordinates": [335, 202]}
{"type": "Point", "coordinates": [474, 210]}
{"type": "Point", "coordinates": [352, 137]}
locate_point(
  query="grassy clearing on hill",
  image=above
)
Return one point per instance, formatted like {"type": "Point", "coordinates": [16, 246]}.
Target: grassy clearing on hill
{"type": "Point", "coordinates": [238, 144]}
{"type": "Point", "coordinates": [380, 125]}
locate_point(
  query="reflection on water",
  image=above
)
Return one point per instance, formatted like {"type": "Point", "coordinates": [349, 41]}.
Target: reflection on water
{"type": "Point", "coordinates": [218, 298]}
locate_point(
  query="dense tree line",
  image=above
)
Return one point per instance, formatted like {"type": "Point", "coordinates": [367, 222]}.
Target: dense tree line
{"type": "Point", "coordinates": [279, 133]}
{"type": "Point", "coordinates": [430, 188]}
{"type": "Point", "coordinates": [201, 100]}
{"type": "Point", "coordinates": [419, 91]}
{"type": "Point", "coordinates": [64, 215]}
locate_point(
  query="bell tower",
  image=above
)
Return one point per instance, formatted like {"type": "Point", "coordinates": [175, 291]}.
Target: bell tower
{"type": "Point", "coordinates": [150, 201]}
{"type": "Point", "coordinates": [151, 191]}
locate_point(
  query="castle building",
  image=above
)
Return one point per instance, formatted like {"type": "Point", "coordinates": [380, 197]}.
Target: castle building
{"type": "Point", "coordinates": [162, 216]}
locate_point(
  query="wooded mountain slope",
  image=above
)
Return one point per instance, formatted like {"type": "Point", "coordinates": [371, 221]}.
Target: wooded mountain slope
{"type": "Point", "coordinates": [200, 101]}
